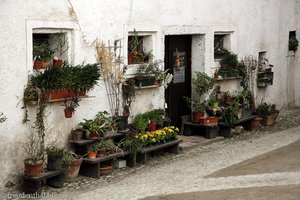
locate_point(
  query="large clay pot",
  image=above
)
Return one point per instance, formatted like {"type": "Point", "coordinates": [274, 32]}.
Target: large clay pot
{"type": "Point", "coordinates": [73, 171]}
{"type": "Point", "coordinates": [197, 116]}
{"type": "Point", "coordinates": [33, 170]}
{"type": "Point", "coordinates": [257, 122]}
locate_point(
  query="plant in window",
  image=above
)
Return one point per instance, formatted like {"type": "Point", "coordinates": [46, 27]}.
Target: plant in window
{"type": "Point", "coordinates": [3, 118]}
{"type": "Point", "coordinates": [42, 55]}
{"type": "Point", "coordinates": [61, 47]}
{"type": "Point", "coordinates": [293, 44]}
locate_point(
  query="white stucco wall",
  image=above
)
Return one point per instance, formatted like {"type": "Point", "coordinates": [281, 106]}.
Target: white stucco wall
{"type": "Point", "coordinates": [258, 25]}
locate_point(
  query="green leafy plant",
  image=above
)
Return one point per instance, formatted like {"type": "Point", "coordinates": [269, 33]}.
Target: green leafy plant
{"type": "Point", "coordinates": [196, 102]}
{"type": "Point", "coordinates": [265, 109]}
{"type": "Point", "coordinates": [140, 122]}
{"type": "Point", "coordinates": [293, 44]}
{"type": "Point", "coordinates": [106, 144]}
{"type": "Point", "coordinates": [130, 143]}
{"type": "Point", "coordinates": [230, 114]}
{"type": "Point", "coordinates": [55, 151]}
{"type": "Point", "coordinates": [128, 92]}
{"type": "Point", "coordinates": [3, 118]}
{"type": "Point", "coordinates": [202, 83]}
{"type": "Point", "coordinates": [69, 158]}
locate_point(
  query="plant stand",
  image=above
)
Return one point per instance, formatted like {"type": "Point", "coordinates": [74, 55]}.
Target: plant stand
{"type": "Point", "coordinates": [32, 185]}
{"type": "Point", "coordinates": [210, 131]}
{"type": "Point", "coordinates": [145, 153]}
{"type": "Point", "coordinates": [225, 129]}
{"type": "Point", "coordinates": [91, 167]}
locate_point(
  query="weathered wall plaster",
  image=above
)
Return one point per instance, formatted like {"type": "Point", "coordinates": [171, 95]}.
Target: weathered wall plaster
{"type": "Point", "coordinates": [259, 25]}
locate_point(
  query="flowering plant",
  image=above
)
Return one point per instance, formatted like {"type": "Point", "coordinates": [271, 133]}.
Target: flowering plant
{"type": "Point", "coordinates": [158, 136]}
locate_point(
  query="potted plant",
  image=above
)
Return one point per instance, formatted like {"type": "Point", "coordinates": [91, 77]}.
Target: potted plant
{"type": "Point", "coordinates": [293, 44]}
{"type": "Point", "coordinates": [70, 105]}
{"type": "Point", "coordinates": [135, 55]}
{"type": "Point", "coordinates": [128, 94]}
{"type": "Point", "coordinates": [55, 156]}
{"type": "Point", "coordinates": [2, 118]}
{"type": "Point", "coordinates": [72, 163]}
{"type": "Point", "coordinates": [140, 123]}
{"type": "Point", "coordinates": [229, 114]}
{"type": "Point", "coordinates": [42, 55]}
{"type": "Point", "coordinates": [92, 154]}
{"type": "Point", "coordinates": [202, 83]}
{"type": "Point", "coordinates": [62, 46]}
{"type": "Point", "coordinates": [268, 112]}
{"type": "Point", "coordinates": [130, 143]}
{"type": "Point", "coordinates": [34, 160]}
{"type": "Point", "coordinates": [108, 145]}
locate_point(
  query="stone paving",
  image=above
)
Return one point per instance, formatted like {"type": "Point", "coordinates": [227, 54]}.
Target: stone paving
{"type": "Point", "coordinates": [134, 183]}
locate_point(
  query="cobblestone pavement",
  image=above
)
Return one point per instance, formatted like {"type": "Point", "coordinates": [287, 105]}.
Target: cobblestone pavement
{"type": "Point", "coordinates": [186, 172]}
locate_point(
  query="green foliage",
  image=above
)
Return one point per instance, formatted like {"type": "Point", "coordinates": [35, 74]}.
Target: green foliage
{"type": "Point", "coordinates": [140, 122]}
{"type": "Point", "coordinates": [69, 158]}
{"type": "Point", "coordinates": [106, 144]}
{"type": "Point", "coordinates": [293, 44]}
{"type": "Point", "coordinates": [94, 147]}
{"type": "Point", "coordinates": [196, 102]}
{"type": "Point", "coordinates": [265, 109]}
{"type": "Point", "coordinates": [99, 125]}
{"type": "Point", "coordinates": [230, 114]}
{"type": "Point", "coordinates": [203, 83]}
{"type": "Point", "coordinates": [130, 143]}
{"type": "Point", "coordinates": [43, 51]}
{"type": "Point", "coordinates": [153, 68]}
{"type": "Point", "coordinates": [3, 118]}
{"type": "Point", "coordinates": [79, 77]}
{"type": "Point", "coordinates": [128, 92]}
{"type": "Point", "coordinates": [230, 60]}
{"type": "Point", "coordinates": [54, 151]}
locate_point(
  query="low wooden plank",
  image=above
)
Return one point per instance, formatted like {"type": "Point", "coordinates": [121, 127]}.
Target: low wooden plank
{"type": "Point", "coordinates": [43, 176]}
{"type": "Point", "coordinates": [105, 158]}
{"type": "Point", "coordinates": [159, 146]}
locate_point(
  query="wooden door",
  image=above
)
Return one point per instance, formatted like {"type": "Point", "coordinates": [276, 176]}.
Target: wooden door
{"type": "Point", "coordinates": [178, 61]}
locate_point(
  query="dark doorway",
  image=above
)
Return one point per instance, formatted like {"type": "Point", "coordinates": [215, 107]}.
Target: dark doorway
{"type": "Point", "coordinates": [178, 61]}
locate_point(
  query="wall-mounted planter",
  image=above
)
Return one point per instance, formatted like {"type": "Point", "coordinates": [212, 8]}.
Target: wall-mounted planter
{"type": "Point", "coordinates": [265, 78]}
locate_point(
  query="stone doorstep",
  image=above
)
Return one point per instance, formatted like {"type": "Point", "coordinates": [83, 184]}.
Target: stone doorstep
{"type": "Point", "coordinates": [192, 141]}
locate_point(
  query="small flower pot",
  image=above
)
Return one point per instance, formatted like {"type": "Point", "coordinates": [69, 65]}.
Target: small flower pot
{"type": "Point", "coordinates": [101, 153]}
{"type": "Point", "coordinates": [270, 120]}
{"type": "Point", "coordinates": [54, 163]}
{"type": "Point", "coordinates": [76, 135]}
{"type": "Point", "coordinates": [57, 63]}
{"type": "Point", "coordinates": [92, 154]}
{"type": "Point", "coordinates": [68, 113]}
{"type": "Point", "coordinates": [38, 64]}
{"type": "Point", "coordinates": [209, 120]}
{"type": "Point", "coordinates": [106, 169]}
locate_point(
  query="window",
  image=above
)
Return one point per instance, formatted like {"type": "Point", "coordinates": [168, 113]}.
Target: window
{"type": "Point", "coordinates": [222, 44]}
{"type": "Point", "coordinates": [49, 48]}
{"type": "Point", "coordinates": [140, 48]}
{"type": "Point", "coordinates": [293, 42]}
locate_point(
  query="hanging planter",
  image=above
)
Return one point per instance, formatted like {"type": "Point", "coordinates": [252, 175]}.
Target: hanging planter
{"type": "Point", "coordinates": [68, 113]}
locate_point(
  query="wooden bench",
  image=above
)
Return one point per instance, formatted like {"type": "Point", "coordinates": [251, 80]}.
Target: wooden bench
{"type": "Point", "coordinates": [80, 147]}
{"type": "Point", "coordinates": [34, 184]}
{"type": "Point", "coordinates": [247, 123]}
{"type": "Point", "coordinates": [209, 131]}
{"type": "Point", "coordinates": [91, 167]}
{"type": "Point", "coordinates": [172, 147]}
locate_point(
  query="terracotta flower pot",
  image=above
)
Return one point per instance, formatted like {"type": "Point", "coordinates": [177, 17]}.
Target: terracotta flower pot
{"type": "Point", "coordinates": [257, 122]}
{"type": "Point", "coordinates": [73, 171]}
{"type": "Point", "coordinates": [270, 120]}
{"type": "Point", "coordinates": [68, 113]}
{"type": "Point", "coordinates": [92, 154]}
{"type": "Point", "coordinates": [33, 170]}
{"type": "Point", "coordinates": [57, 63]}
{"type": "Point", "coordinates": [106, 169]}
{"type": "Point", "coordinates": [197, 116]}
{"type": "Point", "coordinates": [38, 64]}
{"type": "Point", "coordinates": [152, 126]}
